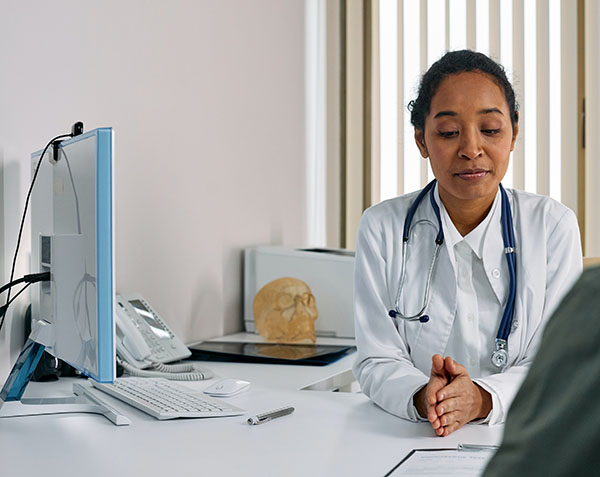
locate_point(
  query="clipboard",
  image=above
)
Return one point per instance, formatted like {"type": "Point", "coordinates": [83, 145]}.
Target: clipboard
{"type": "Point", "coordinates": [465, 460]}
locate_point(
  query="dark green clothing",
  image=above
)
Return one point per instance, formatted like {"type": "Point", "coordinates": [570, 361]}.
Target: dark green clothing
{"type": "Point", "coordinates": [553, 425]}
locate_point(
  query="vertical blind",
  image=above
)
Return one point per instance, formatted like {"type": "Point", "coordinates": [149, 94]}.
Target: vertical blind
{"type": "Point", "coordinates": [535, 41]}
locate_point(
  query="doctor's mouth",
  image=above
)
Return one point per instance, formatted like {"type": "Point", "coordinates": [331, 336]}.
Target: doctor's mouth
{"type": "Point", "coordinates": [472, 174]}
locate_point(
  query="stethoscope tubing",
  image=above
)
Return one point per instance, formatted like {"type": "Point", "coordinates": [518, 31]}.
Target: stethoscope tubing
{"type": "Point", "coordinates": [419, 314]}
{"type": "Point", "coordinates": [439, 240]}
{"type": "Point", "coordinates": [508, 239]}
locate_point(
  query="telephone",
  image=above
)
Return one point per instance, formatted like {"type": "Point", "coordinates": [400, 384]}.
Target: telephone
{"type": "Point", "coordinates": [145, 341]}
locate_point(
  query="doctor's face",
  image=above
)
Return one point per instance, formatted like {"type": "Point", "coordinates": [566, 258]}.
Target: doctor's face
{"type": "Point", "coordinates": [468, 137]}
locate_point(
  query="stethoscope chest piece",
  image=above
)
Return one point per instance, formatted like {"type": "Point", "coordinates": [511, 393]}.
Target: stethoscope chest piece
{"type": "Point", "coordinates": [500, 354]}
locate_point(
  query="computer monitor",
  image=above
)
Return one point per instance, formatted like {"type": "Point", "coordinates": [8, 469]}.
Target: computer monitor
{"type": "Point", "coordinates": [72, 237]}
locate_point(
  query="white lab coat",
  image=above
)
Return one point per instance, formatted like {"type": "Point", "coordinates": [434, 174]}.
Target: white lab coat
{"type": "Point", "coordinates": [394, 360]}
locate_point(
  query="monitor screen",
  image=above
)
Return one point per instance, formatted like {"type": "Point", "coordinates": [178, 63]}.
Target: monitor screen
{"type": "Point", "coordinates": [72, 237]}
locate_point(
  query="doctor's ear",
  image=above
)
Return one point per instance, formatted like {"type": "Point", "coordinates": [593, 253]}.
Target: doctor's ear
{"type": "Point", "coordinates": [420, 140]}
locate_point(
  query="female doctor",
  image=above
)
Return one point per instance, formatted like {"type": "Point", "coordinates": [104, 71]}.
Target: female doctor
{"type": "Point", "coordinates": [454, 284]}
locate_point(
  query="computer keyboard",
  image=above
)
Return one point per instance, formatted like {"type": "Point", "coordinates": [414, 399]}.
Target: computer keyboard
{"type": "Point", "coordinates": [164, 399]}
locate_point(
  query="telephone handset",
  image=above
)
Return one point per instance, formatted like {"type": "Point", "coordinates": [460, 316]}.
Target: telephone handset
{"type": "Point", "coordinates": [142, 335]}
{"type": "Point", "coordinates": [145, 341]}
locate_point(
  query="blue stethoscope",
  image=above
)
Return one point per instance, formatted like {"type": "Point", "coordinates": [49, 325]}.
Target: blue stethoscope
{"type": "Point", "coordinates": [500, 354]}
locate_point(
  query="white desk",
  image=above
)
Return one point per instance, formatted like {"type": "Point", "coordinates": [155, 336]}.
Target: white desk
{"type": "Point", "coordinates": [317, 378]}
{"type": "Point", "coordinates": [329, 434]}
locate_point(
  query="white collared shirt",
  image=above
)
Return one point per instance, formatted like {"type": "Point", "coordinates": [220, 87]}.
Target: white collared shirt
{"type": "Point", "coordinates": [477, 306]}
{"type": "Point", "coordinates": [468, 292]}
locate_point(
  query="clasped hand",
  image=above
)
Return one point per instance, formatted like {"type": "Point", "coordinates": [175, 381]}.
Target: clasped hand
{"type": "Point", "coordinates": [451, 399]}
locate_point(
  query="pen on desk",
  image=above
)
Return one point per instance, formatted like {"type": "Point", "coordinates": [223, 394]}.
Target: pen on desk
{"type": "Point", "coordinates": [267, 416]}
{"type": "Point", "coordinates": [475, 447]}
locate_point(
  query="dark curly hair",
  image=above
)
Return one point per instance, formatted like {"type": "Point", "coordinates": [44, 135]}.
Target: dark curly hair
{"type": "Point", "coordinates": [454, 62]}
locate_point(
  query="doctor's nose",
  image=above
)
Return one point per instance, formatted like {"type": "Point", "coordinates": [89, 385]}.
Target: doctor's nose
{"type": "Point", "coordinates": [470, 145]}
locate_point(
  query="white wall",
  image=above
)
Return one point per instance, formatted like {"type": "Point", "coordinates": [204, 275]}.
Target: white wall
{"type": "Point", "coordinates": [207, 101]}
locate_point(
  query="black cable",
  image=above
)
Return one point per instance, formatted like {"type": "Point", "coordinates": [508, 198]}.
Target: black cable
{"type": "Point", "coordinates": [18, 293]}
{"type": "Point", "coordinates": [31, 278]}
{"type": "Point", "coordinates": [12, 271]}
{"type": "Point", "coordinates": [4, 307]}
{"type": "Point", "coordinates": [11, 284]}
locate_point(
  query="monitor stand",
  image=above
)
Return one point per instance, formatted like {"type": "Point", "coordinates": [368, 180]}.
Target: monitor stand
{"type": "Point", "coordinates": [12, 403]}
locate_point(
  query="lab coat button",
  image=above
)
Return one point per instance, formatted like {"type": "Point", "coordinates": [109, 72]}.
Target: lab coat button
{"type": "Point", "coordinates": [496, 273]}
{"type": "Point", "coordinates": [470, 317]}
{"type": "Point", "coordinates": [515, 325]}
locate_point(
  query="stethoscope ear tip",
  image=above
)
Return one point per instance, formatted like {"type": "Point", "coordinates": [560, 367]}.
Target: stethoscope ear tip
{"type": "Point", "coordinates": [424, 318]}
{"type": "Point", "coordinates": [393, 313]}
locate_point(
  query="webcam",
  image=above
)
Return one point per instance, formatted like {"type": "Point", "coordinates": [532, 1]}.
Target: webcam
{"type": "Point", "coordinates": [77, 129]}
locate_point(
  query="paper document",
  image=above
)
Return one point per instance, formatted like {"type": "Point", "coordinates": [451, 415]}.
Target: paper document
{"type": "Point", "coordinates": [446, 462]}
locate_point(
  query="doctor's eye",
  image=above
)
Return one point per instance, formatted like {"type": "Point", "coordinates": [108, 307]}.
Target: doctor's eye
{"type": "Point", "coordinates": [491, 132]}
{"type": "Point", "coordinates": [448, 133]}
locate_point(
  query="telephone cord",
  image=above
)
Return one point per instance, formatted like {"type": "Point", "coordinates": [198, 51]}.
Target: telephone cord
{"type": "Point", "coordinates": [176, 372]}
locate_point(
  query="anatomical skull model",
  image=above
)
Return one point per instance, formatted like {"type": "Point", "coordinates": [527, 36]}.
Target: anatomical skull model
{"type": "Point", "coordinates": [285, 311]}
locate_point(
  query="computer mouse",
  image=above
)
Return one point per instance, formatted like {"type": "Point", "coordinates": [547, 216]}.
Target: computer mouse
{"type": "Point", "coordinates": [226, 387]}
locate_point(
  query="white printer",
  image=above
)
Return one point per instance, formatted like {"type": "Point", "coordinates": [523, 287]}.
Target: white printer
{"type": "Point", "coordinates": [328, 272]}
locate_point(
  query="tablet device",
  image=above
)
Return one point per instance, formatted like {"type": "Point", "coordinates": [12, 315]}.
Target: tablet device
{"type": "Point", "coordinates": [273, 353]}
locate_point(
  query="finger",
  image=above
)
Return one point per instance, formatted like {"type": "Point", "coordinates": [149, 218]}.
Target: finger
{"type": "Point", "coordinates": [451, 428]}
{"type": "Point", "coordinates": [452, 390]}
{"type": "Point", "coordinates": [436, 424]}
{"type": "Point", "coordinates": [448, 405]}
{"type": "Point", "coordinates": [454, 368]}
{"type": "Point", "coordinates": [437, 365]}
{"type": "Point", "coordinates": [456, 388]}
{"type": "Point", "coordinates": [432, 395]}
{"type": "Point", "coordinates": [437, 360]}
{"type": "Point", "coordinates": [449, 363]}
{"type": "Point", "coordinates": [450, 418]}
{"type": "Point", "coordinates": [436, 382]}
{"type": "Point", "coordinates": [433, 418]}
